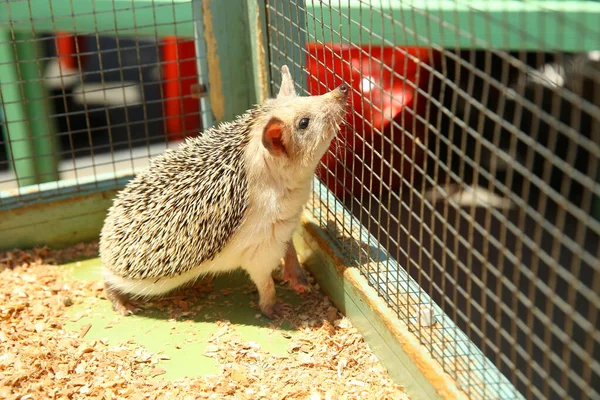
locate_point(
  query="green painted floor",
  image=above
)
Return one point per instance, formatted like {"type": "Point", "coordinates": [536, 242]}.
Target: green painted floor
{"type": "Point", "coordinates": [180, 326]}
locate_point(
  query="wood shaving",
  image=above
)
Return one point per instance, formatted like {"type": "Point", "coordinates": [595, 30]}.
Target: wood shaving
{"type": "Point", "coordinates": [327, 358]}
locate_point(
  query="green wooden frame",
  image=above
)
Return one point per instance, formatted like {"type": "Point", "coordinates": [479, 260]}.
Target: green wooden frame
{"type": "Point", "coordinates": [506, 24]}
{"type": "Point", "coordinates": [499, 24]}
{"type": "Point", "coordinates": [153, 18]}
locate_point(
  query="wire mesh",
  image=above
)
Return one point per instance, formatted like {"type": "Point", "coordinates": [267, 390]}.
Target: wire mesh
{"type": "Point", "coordinates": [92, 106]}
{"type": "Point", "coordinates": [471, 157]}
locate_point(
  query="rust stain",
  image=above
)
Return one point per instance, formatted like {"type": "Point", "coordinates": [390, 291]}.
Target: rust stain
{"type": "Point", "coordinates": [215, 93]}
{"type": "Point", "coordinates": [443, 384]}
{"type": "Point", "coordinates": [263, 85]}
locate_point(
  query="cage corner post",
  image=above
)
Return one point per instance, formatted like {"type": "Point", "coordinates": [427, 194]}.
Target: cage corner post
{"type": "Point", "coordinates": [206, 115]}
{"type": "Point", "coordinates": [30, 133]}
{"type": "Point", "coordinates": [257, 30]}
{"type": "Point", "coordinates": [226, 38]}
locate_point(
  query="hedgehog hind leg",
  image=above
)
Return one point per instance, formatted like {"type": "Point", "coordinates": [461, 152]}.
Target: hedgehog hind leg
{"type": "Point", "coordinates": [293, 272]}
{"type": "Point", "coordinates": [120, 301]}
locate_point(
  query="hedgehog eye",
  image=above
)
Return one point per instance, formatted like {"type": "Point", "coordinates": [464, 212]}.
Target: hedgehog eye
{"type": "Point", "coordinates": [303, 124]}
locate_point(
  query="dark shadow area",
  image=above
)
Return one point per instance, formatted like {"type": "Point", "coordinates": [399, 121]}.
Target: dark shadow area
{"type": "Point", "coordinates": [501, 127]}
{"type": "Point", "coordinates": [4, 165]}
{"type": "Point", "coordinates": [232, 297]}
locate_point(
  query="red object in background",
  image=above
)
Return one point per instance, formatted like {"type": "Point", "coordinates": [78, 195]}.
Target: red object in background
{"type": "Point", "coordinates": [68, 46]}
{"type": "Point", "coordinates": [384, 81]}
{"type": "Point", "coordinates": [179, 75]}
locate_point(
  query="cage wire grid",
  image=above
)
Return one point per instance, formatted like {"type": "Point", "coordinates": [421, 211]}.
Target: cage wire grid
{"type": "Point", "coordinates": [107, 113]}
{"type": "Point", "coordinates": [465, 178]}
{"type": "Point", "coordinates": [478, 204]}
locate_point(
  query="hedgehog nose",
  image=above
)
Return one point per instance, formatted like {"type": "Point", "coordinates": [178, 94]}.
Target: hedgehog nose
{"type": "Point", "coordinates": [341, 93]}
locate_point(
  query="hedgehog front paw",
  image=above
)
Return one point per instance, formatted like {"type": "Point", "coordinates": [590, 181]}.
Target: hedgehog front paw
{"type": "Point", "coordinates": [276, 310]}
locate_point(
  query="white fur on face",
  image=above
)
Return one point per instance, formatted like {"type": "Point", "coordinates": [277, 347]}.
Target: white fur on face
{"type": "Point", "coordinates": [325, 113]}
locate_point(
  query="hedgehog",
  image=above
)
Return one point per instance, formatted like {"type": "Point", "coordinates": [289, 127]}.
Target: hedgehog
{"type": "Point", "coordinates": [226, 199]}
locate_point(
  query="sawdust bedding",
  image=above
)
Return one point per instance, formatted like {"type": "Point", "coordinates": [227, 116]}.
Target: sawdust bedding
{"type": "Point", "coordinates": [40, 359]}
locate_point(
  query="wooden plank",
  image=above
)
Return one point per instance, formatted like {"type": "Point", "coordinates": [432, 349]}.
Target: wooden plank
{"type": "Point", "coordinates": [57, 214]}
{"type": "Point", "coordinates": [202, 64]}
{"type": "Point", "coordinates": [42, 130]}
{"type": "Point", "coordinates": [257, 25]}
{"type": "Point", "coordinates": [568, 25]}
{"type": "Point", "coordinates": [63, 189]}
{"type": "Point", "coordinates": [55, 224]}
{"type": "Point", "coordinates": [229, 57]}
{"type": "Point", "coordinates": [233, 44]}
{"type": "Point", "coordinates": [503, 24]}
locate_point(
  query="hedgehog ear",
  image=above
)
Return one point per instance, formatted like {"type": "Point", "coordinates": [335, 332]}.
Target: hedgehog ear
{"type": "Point", "coordinates": [272, 137]}
{"type": "Point", "coordinates": [287, 83]}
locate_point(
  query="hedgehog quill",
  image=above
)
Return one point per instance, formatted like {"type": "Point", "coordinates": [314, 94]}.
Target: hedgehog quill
{"type": "Point", "coordinates": [229, 198]}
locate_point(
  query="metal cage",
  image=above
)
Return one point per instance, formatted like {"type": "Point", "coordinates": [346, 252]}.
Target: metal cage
{"type": "Point", "coordinates": [464, 186]}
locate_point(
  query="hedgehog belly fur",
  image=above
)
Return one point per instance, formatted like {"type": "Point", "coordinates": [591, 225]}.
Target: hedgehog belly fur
{"type": "Point", "coordinates": [153, 287]}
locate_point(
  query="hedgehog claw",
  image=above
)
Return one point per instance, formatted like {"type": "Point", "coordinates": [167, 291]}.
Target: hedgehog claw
{"type": "Point", "coordinates": [293, 272]}
{"type": "Point", "coordinates": [277, 310]}
{"type": "Point", "coordinates": [125, 308]}
{"type": "Point", "coordinates": [120, 302]}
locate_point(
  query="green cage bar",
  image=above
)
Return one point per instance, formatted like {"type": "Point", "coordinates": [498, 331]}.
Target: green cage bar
{"type": "Point", "coordinates": [29, 131]}
{"type": "Point", "coordinates": [41, 128]}
{"type": "Point", "coordinates": [507, 24]}
{"type": "Point", "coordinates": [18, 143]}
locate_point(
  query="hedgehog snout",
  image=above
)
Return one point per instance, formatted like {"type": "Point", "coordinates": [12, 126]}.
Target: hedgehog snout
{"type": "Point", "coordinates": [341, 93]}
